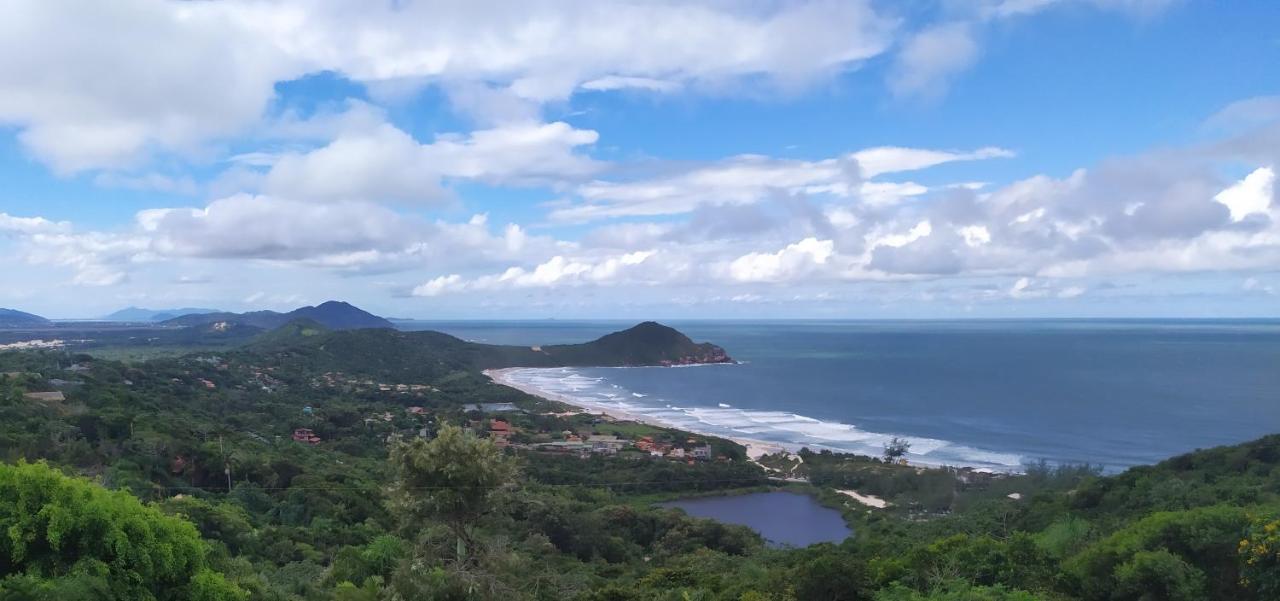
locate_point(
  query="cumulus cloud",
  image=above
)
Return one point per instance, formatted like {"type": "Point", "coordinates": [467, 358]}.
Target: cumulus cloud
{"type": "Point", "coordinates": [1251, 195]}
{"type": "Point", "coordinates": [31, 225]}
{"type": "Point", "coordinates": [546, 50]}
{"type": "Point", "coordinates": [1166, 211]}
{"type": "Point", "coordinates": [788, 263]}
{"type": "Point", "coordinates": [385, 163]}
{"type": "Point", "coordinates": [344, 236]}
{"type": "Point", "coordinates": [100, 84]}
{"type": "Point", "coordinates": [104, 85]}
{"type": "Point", "coordinates": [264, 227]}
{"type": "Point", "coordinates": [554, 272]}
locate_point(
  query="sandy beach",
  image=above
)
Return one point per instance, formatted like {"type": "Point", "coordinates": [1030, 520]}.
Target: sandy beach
{"type": "Point", "coordinates": [755, 448]}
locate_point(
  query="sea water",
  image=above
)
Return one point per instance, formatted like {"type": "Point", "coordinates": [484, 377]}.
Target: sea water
{"type": "Point", "coordinates": [985, 393]}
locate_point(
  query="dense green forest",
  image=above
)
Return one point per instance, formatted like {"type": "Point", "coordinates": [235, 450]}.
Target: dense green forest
{"type": "Point", "coordinates": [180, 478]}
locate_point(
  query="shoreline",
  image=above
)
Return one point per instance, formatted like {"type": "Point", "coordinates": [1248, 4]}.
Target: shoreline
{"type": "Point", "coordinates": [755, 448]}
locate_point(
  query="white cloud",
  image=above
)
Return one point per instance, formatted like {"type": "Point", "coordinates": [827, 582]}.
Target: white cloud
{"type": "Point", "coordinates": [893, 159]}
{"type": "Point", "coordinates": [440, 285]}
{"type": "Point", "coordinates": [931, 58]}
{"type": "Point", "coordinates": [157, 182]}
{"type": "Point", "coordinates": [105, 84]}
{"type": "Point", "coordinates": [975, 235]}
{"type": "Point", "coordinates": [264, 227]}
{"type": "Point", "coordinates": [1253, 194]}
{"type": "Point", "coordinates": [341, 236]}
{"type": "Point", "coordinates": [749, 179]}
{"type": "Point", "coordinates": [101, 84]}
{"type": "Point", "coordinates": [385, 163]}
{"type": "Point", "coordinates": [554, 272]}
{"type": "Point", "coordinates": [1071, 291]}
{"type": "Point", "coordinates": [1250, 112]}
{"type": "Point", "coordinates": [614, 82]}
{"type": "Point", "coordinates": [31, 225]}
{"type": "Point", "coordinates": [793, 261]}
{"type": "Point", "coordinates": [545, 50]}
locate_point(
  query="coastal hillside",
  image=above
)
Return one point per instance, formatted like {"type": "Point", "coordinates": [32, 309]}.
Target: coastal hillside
{"type": "Point", "coordinates": [649, 343]}
{"type": "Point", "coordinates": [335, 315]}
{"type": "Point", "coordinates": [426, 353]}
{"type": "Point", "coordinates": [10, 318]}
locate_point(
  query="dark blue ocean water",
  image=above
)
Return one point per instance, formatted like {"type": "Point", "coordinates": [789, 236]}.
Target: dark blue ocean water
{"type": "Point", "coordinates": [982, 393]}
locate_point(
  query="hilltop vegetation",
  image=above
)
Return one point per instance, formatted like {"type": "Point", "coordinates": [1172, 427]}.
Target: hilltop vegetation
{"type": "Point", "coordinates": [427, 354]}
{"type": "Point", "coordinates": [334, 315]}
{"type": "Point", "coordinates": [403, 491]}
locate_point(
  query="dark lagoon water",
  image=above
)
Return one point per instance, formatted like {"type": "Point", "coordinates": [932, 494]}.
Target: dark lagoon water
{"type": "Point", "coordinates": [784, 519]}
{"type": "Point", "coordinates": [982, 393]}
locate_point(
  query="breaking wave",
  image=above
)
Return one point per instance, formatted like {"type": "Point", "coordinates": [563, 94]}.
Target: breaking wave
{"type": "Point", "coordinates": [788, 429]}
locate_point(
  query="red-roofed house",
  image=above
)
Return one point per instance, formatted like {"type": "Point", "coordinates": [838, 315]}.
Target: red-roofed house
{"type": "Point", "coordinates": [306, 435]}
{"type": "Point", "coordinates": [499, 431]}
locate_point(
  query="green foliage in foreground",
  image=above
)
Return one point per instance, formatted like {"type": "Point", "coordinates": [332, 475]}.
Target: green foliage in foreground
{"type": "Point", "coordinates": [65, 538]}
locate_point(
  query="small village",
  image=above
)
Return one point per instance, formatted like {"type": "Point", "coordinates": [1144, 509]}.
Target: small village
{"type": "Point", "coordinates": [601, 435]}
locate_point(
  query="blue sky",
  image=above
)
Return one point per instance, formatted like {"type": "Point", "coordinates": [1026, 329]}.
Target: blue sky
{"type": "Point", "coordinates": [620, 159]}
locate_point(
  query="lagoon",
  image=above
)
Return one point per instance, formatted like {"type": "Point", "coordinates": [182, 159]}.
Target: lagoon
{"type": "Point", "coordinates": [783, 519]}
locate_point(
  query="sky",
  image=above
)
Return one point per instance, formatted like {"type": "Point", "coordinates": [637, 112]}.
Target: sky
{"type": "Point", "coordinates": [611, 159]}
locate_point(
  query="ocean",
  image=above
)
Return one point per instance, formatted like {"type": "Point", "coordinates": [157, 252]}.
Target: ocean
{"type": "Point", "coordinates": [982, 393]}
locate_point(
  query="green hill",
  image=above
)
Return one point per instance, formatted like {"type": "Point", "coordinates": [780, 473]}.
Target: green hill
{"type": "Point", "coordinates": [419, 355]}
{"type": "Point", "coordinates": [11, 318]}
{"type": "Point", "coordinates": [335, 315]}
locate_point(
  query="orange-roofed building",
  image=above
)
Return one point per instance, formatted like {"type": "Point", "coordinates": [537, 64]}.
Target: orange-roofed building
{"type": "Point", "coordinates": [499, 431]}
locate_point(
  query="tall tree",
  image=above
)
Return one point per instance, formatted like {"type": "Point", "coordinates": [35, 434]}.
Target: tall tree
{"type": "Point", "coordinates": [452, 478]}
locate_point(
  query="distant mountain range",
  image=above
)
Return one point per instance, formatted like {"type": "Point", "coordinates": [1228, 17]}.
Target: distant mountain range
{"type": "Point", "coordinates": [10, 318]}
{"type": "Point", "coordinates": [334, 315]}
{"type": "Point", "coordinates": [139, 314]}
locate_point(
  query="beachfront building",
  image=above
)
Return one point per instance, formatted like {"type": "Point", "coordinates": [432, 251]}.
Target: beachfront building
{"type": "Point", "coordinates": [703, 452]}
{"type": "Point", "coordinates": [605, 444]}
{"type": "Point", "coordinates": [490, 407]}
{"type": "Point", "coordinates": [576, 448]}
